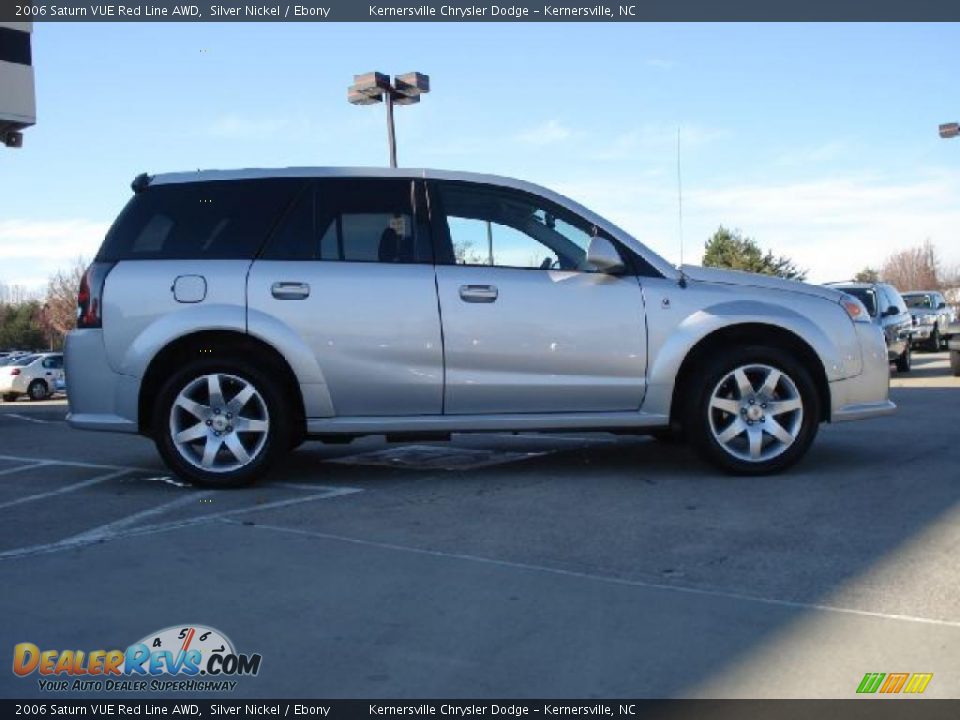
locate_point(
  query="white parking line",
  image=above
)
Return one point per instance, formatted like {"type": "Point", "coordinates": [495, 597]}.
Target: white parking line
{"type": "Point", "coordinates": [70, 463]}
{"type": "Point", "coordinates": [18, 416]}
{"type": "Point", "coordinates": [111, 528]}
{"type": "Point", "coordinates": [607, 579]}
{"type": "Point", "coordinates": [98, 535]}
{"type": "Point", "coordinates": [20, 468]}
{"type": "Point", "coordinates": [65, 489]}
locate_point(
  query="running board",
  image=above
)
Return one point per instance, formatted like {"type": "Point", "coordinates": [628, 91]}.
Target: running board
{"type": "Point", "coordinates": [520, 422]}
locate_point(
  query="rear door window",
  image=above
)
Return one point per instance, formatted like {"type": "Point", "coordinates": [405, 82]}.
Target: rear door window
{"type": "Point", "coordinates": [353, 220]}
{"type": "Point", "coordinates": [220, 220]}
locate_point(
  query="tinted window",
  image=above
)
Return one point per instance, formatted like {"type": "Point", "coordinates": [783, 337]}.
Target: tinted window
{"type": "Point", "coordinates": [492, 226]}
{"type": "Point", "coordinates": [201, 220]}
{"type": "Point", "coordinates": [867, 296]}
{"type": "Point", "coordinates": [353, 220]}
{"type": "Point", "coordinates": [24, 360]}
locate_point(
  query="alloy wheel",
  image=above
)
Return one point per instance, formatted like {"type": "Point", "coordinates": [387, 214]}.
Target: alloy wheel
{"type": "Point", "coordinates": [755, 413]}
{"type": "Point", "coordinates": [219, 422]}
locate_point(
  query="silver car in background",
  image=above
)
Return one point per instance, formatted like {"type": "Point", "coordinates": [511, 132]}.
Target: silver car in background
{"type": "Point", "coordinates": [932, 318]}
{"type": "Point", "coordinates": [230, 315]}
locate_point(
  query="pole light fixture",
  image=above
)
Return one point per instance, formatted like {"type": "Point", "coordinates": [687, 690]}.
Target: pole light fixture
{"type": "Point", "coordinates": [949, 130]}
{"type": "Point", "coordinates": [373, 87]}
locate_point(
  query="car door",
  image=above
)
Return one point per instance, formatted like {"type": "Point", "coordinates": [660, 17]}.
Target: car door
{"type": "Point", "coordinates": [349, 271]}
{"type": "Point", "coordinates": [52, 369]}
{"type": "Point", "coordinates": [528, 327]}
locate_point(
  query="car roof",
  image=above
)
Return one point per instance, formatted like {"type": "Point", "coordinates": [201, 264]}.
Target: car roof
{"type": "Point", "coordinates": [863, 285]}
{"type": "Point", "coordinates": [658, 262]}
{"type": "Point", "coordinates": [921, 292]}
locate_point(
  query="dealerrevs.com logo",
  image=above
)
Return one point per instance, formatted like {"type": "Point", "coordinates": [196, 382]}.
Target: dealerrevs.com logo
{"type": "Point", "coordinates": [178, 658]}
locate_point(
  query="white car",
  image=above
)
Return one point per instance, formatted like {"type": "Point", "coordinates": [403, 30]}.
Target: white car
{"type": "Point", "coordinates": [32, 375]}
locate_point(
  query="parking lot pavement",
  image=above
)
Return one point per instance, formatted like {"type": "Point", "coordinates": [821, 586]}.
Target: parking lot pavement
{"type": "Point", "coordinates": [505, 566]}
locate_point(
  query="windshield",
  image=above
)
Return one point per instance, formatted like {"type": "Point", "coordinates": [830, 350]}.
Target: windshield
{"type": "Point", "coordinates": [918, 301]}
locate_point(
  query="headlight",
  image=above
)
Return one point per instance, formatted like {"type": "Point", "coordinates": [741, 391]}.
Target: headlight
{"type": "Point", "coordinates": [855, 309]}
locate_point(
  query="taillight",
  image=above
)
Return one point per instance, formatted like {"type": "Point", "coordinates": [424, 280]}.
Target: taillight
{"type": "Point", "coordinates": [90, 295]}
{"type": "Point", "coordinates": [15, 371]}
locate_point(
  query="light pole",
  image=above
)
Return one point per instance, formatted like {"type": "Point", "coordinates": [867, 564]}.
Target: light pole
{"type": "Point", "coordinates": [406, 89]}
{"type": "Point", "coordinates": [949, 130]}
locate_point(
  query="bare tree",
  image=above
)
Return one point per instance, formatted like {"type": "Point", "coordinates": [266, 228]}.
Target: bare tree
{"type": "Point", "coordinates": [916, 268]}
{"type": "Point", "coordinates": [59, 313]}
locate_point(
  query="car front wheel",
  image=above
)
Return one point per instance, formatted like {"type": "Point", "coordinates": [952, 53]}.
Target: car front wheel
{"type": "Point", "coordinates": [755, 411]}
{"type": "Point", "coordinates": [955, 362]}
{"type": "Point", "coordinates": [220, 425]}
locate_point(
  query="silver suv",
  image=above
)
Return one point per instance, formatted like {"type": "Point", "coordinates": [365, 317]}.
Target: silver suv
{"type": "Point", "coordinates": [232, 315]}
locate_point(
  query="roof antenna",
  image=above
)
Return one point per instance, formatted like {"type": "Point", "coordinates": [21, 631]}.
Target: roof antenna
{"type": "Point", "coordinates": [679, 197]}
{"type": "Point", "coordinates": [683, 278]}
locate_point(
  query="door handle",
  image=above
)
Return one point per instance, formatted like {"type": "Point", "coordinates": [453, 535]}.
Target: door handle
{"type": "Point", "coordinates": [290, 290]}
{"type": "Point", "coordinates": [478, 293]}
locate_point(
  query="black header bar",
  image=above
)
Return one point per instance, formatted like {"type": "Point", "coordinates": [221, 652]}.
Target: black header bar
{"type": "Point", "coordinates": [485, 709]}
{"type": "Point", "coordinates": [478, 11]}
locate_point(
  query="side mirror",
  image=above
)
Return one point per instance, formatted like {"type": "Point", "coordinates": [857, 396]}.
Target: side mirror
{"type": "Point", "coordinates": [892, 310]}
{"type": "Point", "coordinates": [604, 256]}
{"type": "Point", "coordinates": [941, 306]}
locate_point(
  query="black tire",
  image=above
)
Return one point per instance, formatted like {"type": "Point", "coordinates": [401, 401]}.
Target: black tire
{"type": "Point", "coordinates": [935, 340]}
{"type": "Point", "coordinates": [955, 362]}
{"type": "Point", "coordinates": [10, 397]}
{"type": "Point", "coordinates": [701, 418]}
{"type": "Point", "coordinates": [38, 390]}
{"type": "Point", "coordinates": [905, 361]}
{"type": "Point", "coordinates": [277, 436]}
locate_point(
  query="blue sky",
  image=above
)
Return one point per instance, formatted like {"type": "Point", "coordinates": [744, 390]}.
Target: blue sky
{"type": "Point", "coordinates": [818, 140]}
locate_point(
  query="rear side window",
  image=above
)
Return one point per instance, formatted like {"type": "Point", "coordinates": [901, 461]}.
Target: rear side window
{"type": "Point", "coordinates": [222, 220]}
{"type": "Point", "coordinates": [353, 220]}
{"type": "Point", "coordinates": [54, 362]}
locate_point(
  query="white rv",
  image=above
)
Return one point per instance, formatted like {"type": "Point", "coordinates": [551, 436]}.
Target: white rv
{"type": "Point", "coordinates": [18, 104]}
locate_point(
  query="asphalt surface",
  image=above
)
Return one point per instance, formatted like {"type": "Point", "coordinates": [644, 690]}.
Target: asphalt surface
{"type": "Point", "coordinates": [504, 566]}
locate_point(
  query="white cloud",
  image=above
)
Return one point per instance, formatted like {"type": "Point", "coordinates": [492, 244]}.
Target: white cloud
{"type": "Point", "coordinates": [832, 226]}
{"type": "Point", "coordinates": [547, 133]}
{"type": "Point", "coordinates": [660, 63]}
{"type": "Point", "coordinates": [233, 126]}
{"type": "Point", "coordinates": [32, 250]}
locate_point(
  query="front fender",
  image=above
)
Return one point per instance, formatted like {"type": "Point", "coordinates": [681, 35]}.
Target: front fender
{"type": "Point", "coordinates": [838, 350]}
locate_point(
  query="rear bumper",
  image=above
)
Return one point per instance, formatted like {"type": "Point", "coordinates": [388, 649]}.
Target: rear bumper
{"type": "Point", "coordinates": [99, 399]}
{"type": "Point", "coordinates": [865, 395]}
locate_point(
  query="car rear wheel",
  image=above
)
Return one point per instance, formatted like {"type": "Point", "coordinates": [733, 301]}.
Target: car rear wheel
{"type": "Point", "coordinates": [9, 397]}
{"type": "Point", "coordinates": [38, 390]}
{"type": "Point", "coordinates": [755, 411]}
{"type": "Point", "coordinates": [955, 362]}
{"type": "Point", "coordinates": [905, 361]}
{"type": "Point", "coordinates": [220, 424]}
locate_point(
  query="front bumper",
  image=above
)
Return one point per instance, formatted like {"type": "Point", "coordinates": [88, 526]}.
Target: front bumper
{"type": "Point", "coordinates": [99, 398]}
{"type": "Point", "coordinates": [865, 395]}
{"type": "Point", "coordinates": [921, 332]}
